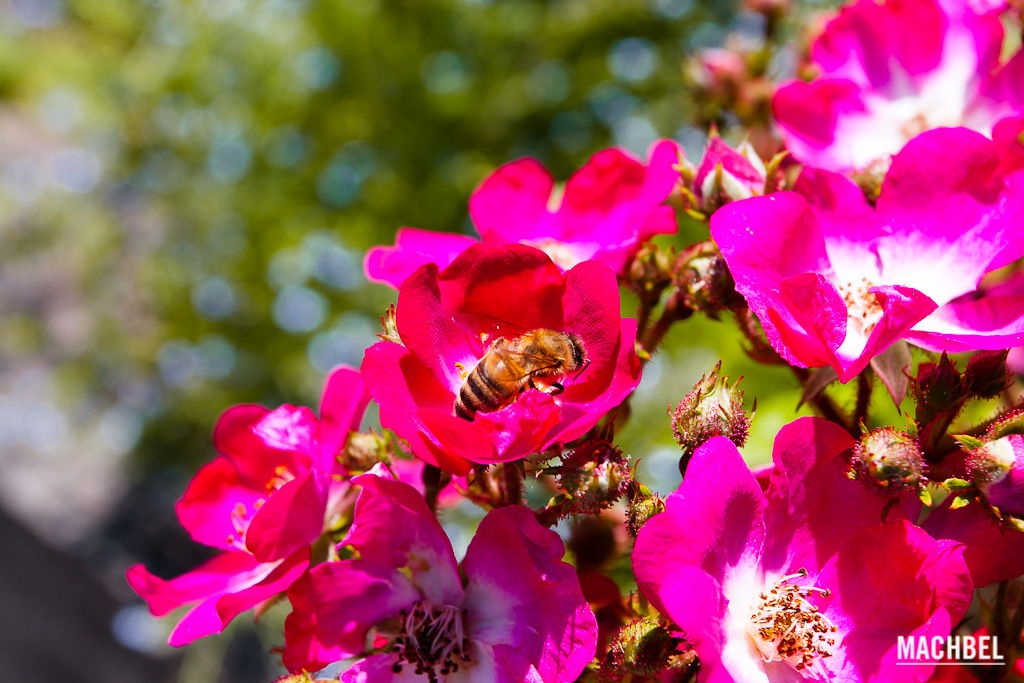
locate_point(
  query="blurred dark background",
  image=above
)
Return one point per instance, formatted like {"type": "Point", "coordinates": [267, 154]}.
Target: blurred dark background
{"type": "Point", "coordinates": [187, 189]}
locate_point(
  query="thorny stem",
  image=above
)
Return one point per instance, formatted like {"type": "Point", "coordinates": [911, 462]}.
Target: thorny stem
{"type": "Point", "coordinates": [674, 311]}
{"type": "Point", "coordinates": [513, 483]}
{"type": "Point", "coordinates": [825, 406]}
{"type": "Point", "coordinates": [860, 414]}
{"type": "Point", "coordinates": [432, 485]}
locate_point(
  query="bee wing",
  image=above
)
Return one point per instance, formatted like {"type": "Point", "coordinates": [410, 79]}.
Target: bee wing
{"type": "Point", "coordinates": [536, 363]}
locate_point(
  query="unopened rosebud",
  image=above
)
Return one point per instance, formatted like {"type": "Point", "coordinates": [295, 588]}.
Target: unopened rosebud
{"type": "Point", "coordinates": [593, 475]}
{"type": "Point", "coordinates": [938, 388]}
{"type": "Point", "coordinates": [363, 450]}
{"type": "Point", "coordinates": [890, 458]}
{"type": "Point", "coordinates": [650, 272]}
{"type": "Point", "coordinates": [997, 469]}
{"type": "Point", "coordinates": [712, 408]}
{"type": "Point", "coordinates": [717, 70]}
{"type": "Point", "coordinates": [644, 505]}
{"type": "Point", "coordinates": [643, 647]}
{"type": "Point", "coordinates": [986, 375]}
{"type": "Point", "coordinates": [704, 281]}
{"type": "Point", "coordinates": [727, 175]}
{"type": "Point", "coordinates": [389, 326]}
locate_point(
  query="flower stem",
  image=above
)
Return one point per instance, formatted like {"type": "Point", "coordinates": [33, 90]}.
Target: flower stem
{"type": "Point", "coordinates": [860, 414]}
{"type": "Point", "coordinates": [513, 483]}
{"type": "Point", "coordinates": [824, 404]}
{"type": "Point", "coordinates": [432, 485]}
{"type": "Point", "coordinates": [674, 311]}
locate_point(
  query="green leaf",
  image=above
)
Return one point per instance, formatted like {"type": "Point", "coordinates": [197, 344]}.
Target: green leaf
{"type": "Point", "coordinates": [959, 502]}
{"type": "Point", "coordinates": [969, 442]}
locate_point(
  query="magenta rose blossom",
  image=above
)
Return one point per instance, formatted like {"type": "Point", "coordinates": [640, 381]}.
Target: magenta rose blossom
{"type": "Point", "coordinates": [802, 581]}
{"type": "Point", "coordinates": [519, 615]}
{"type": "Point", "coordinates": [448, 321]}
{"type": "Point", "coordinates": [263, 500]}
{"type": "Point", "coordinates": [609, 208]}
{"type": "Point", "coordinates": [835, 281]}
{"type": "Point", "coordinates": [877, 89]}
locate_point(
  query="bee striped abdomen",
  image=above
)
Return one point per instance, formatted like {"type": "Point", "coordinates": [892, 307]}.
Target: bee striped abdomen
{"type": "Point", "coordinates": [479, 393]}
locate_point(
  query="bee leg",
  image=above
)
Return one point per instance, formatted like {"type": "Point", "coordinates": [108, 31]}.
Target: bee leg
{"type": "Point", "coordinates": [556, 389]}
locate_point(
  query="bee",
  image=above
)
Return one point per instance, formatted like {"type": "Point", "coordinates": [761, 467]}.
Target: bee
{"type": "Point", "coordinates": [511, 365]}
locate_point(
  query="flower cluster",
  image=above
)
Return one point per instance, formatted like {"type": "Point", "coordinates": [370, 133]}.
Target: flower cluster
{"type": "Point", "coordinates": [506, 367]}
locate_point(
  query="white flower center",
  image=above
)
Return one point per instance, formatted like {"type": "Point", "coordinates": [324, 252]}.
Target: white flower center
{"type": "Point", "coordinates": [432, 640]}
{"type": "Point", "coordinates": [786, 627]}
{"type": "Point", "coordinates": [863, 311]}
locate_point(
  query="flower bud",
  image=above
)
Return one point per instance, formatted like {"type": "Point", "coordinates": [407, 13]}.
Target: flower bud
{"type": "Point", "coordinates": [650, 272]}
{"type": "Point", "coordinates": [363, 450]}
{"type": "Point", "coordinates": [643, 647]}
{"type": "Point", "coordinates": [727, 175]}
{"type": "Point", "coordinates": [641, 508]}
{"type": "Point", "coordinates": [890, 458]}
{"type": "Point", "coordinates": [986, 375]}
{"type": "Point", "coordinates": [1010, 423]}
{"type": "Point", "coordinates": [712, 408]}
{"type": "Point", "coordinates": [997, 469]}
{"type": "Point", "coordinates": [704, 281]}
{"type": "Point", "coordinates": [592, 477]}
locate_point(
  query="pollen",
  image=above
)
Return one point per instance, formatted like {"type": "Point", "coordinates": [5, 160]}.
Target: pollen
{"type": "Point", "coordinates": [863, 310]}
{"type": "Point", "coordinates": [786, 627]}
{"type": "Point", "coordinates": [432, 640]}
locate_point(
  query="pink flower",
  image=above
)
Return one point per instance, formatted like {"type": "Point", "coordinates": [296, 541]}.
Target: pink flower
{"type": "Point", "coordinates": [803, 581]}
{"type": "Point", "coordinates": [519, 616]}
{"type": "Point", "coordinates": [609, 208]}
{"type": "Point", "coordinates": [448, 321]}
{"type": "Point", "coordinates": [264, 500]}
{"type": "Point", "coordinates": [835, 281]}
{"type": "Point", "coordinates": [877, 89]}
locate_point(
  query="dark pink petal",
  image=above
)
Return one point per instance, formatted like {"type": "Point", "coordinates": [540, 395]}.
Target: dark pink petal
{"type": "Point", "coordinates": [394, 528]}
{"type": "Point", "coordinates": [217, 506]}
{"type": "Point", "coordinates": [951, 218]}
{"type": "Point", "coordinates": [578, 418]}
{"type": "Point", "coordinates": [413, 248]}
{"type": "Point", "coordinates": [344, 399]}
{"type": "Point", "coordinates": [512, 667]}
{"type": "Point", "coordinates": [230, 573]}
{"type": "Point", "coordinates": [501, 289]}
{"type": "Point", "coordinates": [610, 180]}
{"type": "Point", "coordinates": [288, 428]}
{"type": "Point", "coordinates": [342, 406]}
{"type": "Point", "coordinates": [511, 203]}
{"type": "Point", "coordinates": [399, 383]}
{"type": "Point", "coordinates": [993, 552]}
{"type": "Point", "coordinates": [510, 433]}
{"type": "Point", "coordinates": [292, 517]}
{"type": "Point", "coordinates": [714, 520]}
{"type": "Point", "coordinates": [693, 601]}
{"type": "Point", "coordinates": [521, 594]}
{"type": "Point", "coordinates": [333, 608]}
{"type": "Point", "coordinates": [1008, 135]}
{"type": "Point", "coordinates": [847, 222]}
{"type": "Point", "coordinates": [428, 330]}
{"type": "Point", "coordinates": [591, 305]}
{"type": "Point", "coordinates": [233, 436]}
{"type": "Point", "coordinates": [812, 505]}
{"type": "Point", "coordinates": [865, 43]}
{"type": "Point", "coordinates": [889, 580]}
{"type": "Point", "coordinates": [902, 308]}
{"type": "Point", "coordinates": [765, 240]}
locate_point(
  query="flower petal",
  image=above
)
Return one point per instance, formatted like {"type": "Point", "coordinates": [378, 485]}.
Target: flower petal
{"type": "Point", "coordinates": [413, 248]}
{"type": "Point", "coordinates": [333, 608]}
{"type": "Point", "coordinates": [521, 594]}
{"type": "Point", "coordinates": [993, 552]}
{"type": "Point", "coordinates": [393, 527]}
{"type": "Point", "coordinates": [511, 204]}
{"type": "Point", "coordinates": [292, 517]}
{"type": "Point", "coordinates": [714, 520]}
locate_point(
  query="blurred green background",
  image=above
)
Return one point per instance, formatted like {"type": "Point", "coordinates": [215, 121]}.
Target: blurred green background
{"type": "Point", "coordinates": [187, 189]}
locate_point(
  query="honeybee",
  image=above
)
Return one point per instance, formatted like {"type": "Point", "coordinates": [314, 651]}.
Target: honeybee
{"type": "Point", "coordinates": [511, 365]}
